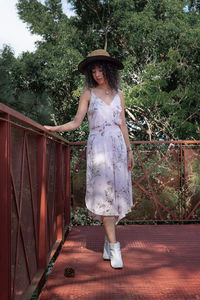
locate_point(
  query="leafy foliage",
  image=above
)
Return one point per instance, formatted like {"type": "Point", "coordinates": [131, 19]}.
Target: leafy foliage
{"type": "Point", "coordinates": [80, 217]}
{"type": "Point", "coordinates": [20, 85]}
{"type": "Point", "coordinates": [157, 40]}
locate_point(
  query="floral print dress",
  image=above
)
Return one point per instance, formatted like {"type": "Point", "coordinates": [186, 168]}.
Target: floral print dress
{"type": "Point", "coordinates": [108, 188]}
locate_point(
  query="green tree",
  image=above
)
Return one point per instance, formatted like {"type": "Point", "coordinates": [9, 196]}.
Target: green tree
{"type": "Point", "coordinates": [58, 54]}
{"type": "Point", "coordinates": [20, 88]}
{"type": "Point", "coordinates": [157, 40]}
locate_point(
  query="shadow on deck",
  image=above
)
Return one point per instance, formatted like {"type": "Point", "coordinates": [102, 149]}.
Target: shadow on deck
{"type": "Point", "coordinates": [39, 169]}
{"type": "Point", "coordinates": [160, 262]}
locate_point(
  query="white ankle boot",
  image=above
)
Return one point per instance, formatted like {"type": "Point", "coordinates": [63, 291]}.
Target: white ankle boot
{"type": "Point", "coordinates": [106, 250]}
{"type": "Point", "coordinates": [115, 256]}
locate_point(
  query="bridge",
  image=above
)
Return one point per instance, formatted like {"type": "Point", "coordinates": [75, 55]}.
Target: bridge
{"type": "Point", "coordinates": [42, 174]}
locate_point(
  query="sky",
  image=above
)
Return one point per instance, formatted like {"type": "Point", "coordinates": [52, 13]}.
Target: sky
{"type": "Point", "coordinates": [14, 32]}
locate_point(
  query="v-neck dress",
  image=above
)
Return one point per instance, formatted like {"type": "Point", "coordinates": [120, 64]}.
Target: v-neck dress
{"type": "Point", "coordinates": [108, 181]}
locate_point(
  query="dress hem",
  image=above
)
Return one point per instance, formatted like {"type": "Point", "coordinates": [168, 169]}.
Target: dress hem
{"type": "Point", "coordinates": [98, 217]}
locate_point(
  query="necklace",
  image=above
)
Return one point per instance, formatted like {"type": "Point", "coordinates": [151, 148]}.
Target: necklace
{"type": "Point", "coordinates": [108, 92]}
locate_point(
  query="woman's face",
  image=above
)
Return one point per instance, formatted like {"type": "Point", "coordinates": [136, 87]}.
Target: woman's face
{"type": "Point", "coordinates": [97, 74]}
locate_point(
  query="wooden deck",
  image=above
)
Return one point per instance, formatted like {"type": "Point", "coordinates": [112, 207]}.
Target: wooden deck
{"type": "Point", "coordinates": [160, 262]}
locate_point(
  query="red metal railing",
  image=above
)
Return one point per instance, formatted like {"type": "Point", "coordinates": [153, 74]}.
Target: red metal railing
{"type": "Point", "coordinates": [35, 194]}
{"type": "Point", "coordinates": [34, 197]}
{"type": "Point", "coordinates": [166, 181]}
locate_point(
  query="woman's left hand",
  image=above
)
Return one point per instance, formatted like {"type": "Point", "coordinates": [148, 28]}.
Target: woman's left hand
{"type": "Point", "coordinates": [130, 160]}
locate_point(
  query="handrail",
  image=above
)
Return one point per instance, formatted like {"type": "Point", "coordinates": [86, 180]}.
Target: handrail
{"type": "Point", "coordinates": [17, 116]}
{"type": "Point", "coordinates": [34, 201]}
{"type": "Point", "coordinates": [163, 177]}
{"type": "Point", "coordinates": [35, 194]}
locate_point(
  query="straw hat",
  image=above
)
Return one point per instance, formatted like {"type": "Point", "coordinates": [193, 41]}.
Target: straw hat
{"type": "Point", "coordinates": [99, 54]}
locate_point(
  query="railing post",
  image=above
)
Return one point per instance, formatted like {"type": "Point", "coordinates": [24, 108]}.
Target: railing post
{"type": "Point", "coordinates": [59, 197]}
{"type": "Point", "coordinates": [5, 210]}
{"type": "Point", "coordinates": [42, 203]}
{"type": "Point", "coordinates": [68, 187]}
{"type": "Point", "coordinates": [182, 182]}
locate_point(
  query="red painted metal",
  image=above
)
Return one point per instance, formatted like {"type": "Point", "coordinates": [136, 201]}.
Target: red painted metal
{"type": "Point", "coordinates": [38, 129]}
{"type": "Point", "coordinates": [153, 195]}
{"type": "Point", "coordinates": [145, 142]}
{"type": "Point", "coordinates": [18, 203]}
{"type": "Point", "coordinates": [158, 163]}
{"type": "Point", "coordinates": [152, 191]}
{"type": "Point", "coordinates": [18, 116]}
{"type": "Point", "coordinates": [191, 155]}
{"type": "Point", "coordinates": [181, 179]}
{"type": "Point", "coordinates": [160, 263]}
{"type": "Point", "coordinates": [170, 155]}
{"type": "Point", "coordinates": [78, 171]}
{"type": "Point", "coordinates": [32, 198]}
{"type": "Point", "coordinates": [51, 194]}
{"type": "Point", "coordinates": [68, 187]}
{"type": "Point", "coordinates": [23, 182]}
{"type": "Point", "coordinates": [42, 249]}
{"type": "Point", "coordinates": [164, 142]}
{"type": "Point", "coordinates": [5, 209]}
{"type": "Point", "coordinates": [59, 194]}
{"type": "Point", "coordinates": [194, 209]}
{"type": "Point", "coordinates": [180, 187]}
{"type": "Point", "coordinates": [83, 153]}
{"type": "Point", "coordinates": [19, 234]}
{"type": "Point", "coordinates": [35, 169]}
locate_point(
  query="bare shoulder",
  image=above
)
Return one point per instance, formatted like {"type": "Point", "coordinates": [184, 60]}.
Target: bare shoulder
{"type": "Point", "coordinates": [85, 95]}
{"type": "Point", "coordinates": [121, 95]}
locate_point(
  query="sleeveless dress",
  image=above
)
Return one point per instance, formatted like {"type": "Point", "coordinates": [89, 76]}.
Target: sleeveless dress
{"type": "Point", "coordinates": [108, 181]}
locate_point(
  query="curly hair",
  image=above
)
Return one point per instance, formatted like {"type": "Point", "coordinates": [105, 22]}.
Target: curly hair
{"type": "Point", "coordinates": [110, 73]}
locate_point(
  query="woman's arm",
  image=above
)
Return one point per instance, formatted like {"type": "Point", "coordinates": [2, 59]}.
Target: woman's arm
{"type": "Point", "coordinates": [124, 130]}
{"type": "Point", "coordinates": [81, 112]}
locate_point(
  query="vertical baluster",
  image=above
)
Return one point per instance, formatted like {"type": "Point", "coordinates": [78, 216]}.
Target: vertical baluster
{"type": "Point", "coordinates": [5, 209]}
{"type": "Point", "coordinates": [59, 198]}
{"type": "Point", "coordinates": [42, 203]}
{"type": "Point", "coordinates": [68, 187]}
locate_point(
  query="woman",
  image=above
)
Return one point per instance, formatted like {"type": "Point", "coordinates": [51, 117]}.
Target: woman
{"type": "Point", "coordinates": [109, 153]}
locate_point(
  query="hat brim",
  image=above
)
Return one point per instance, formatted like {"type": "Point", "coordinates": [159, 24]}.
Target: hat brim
{"type": "Point", "coordinates": [82, 66]}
